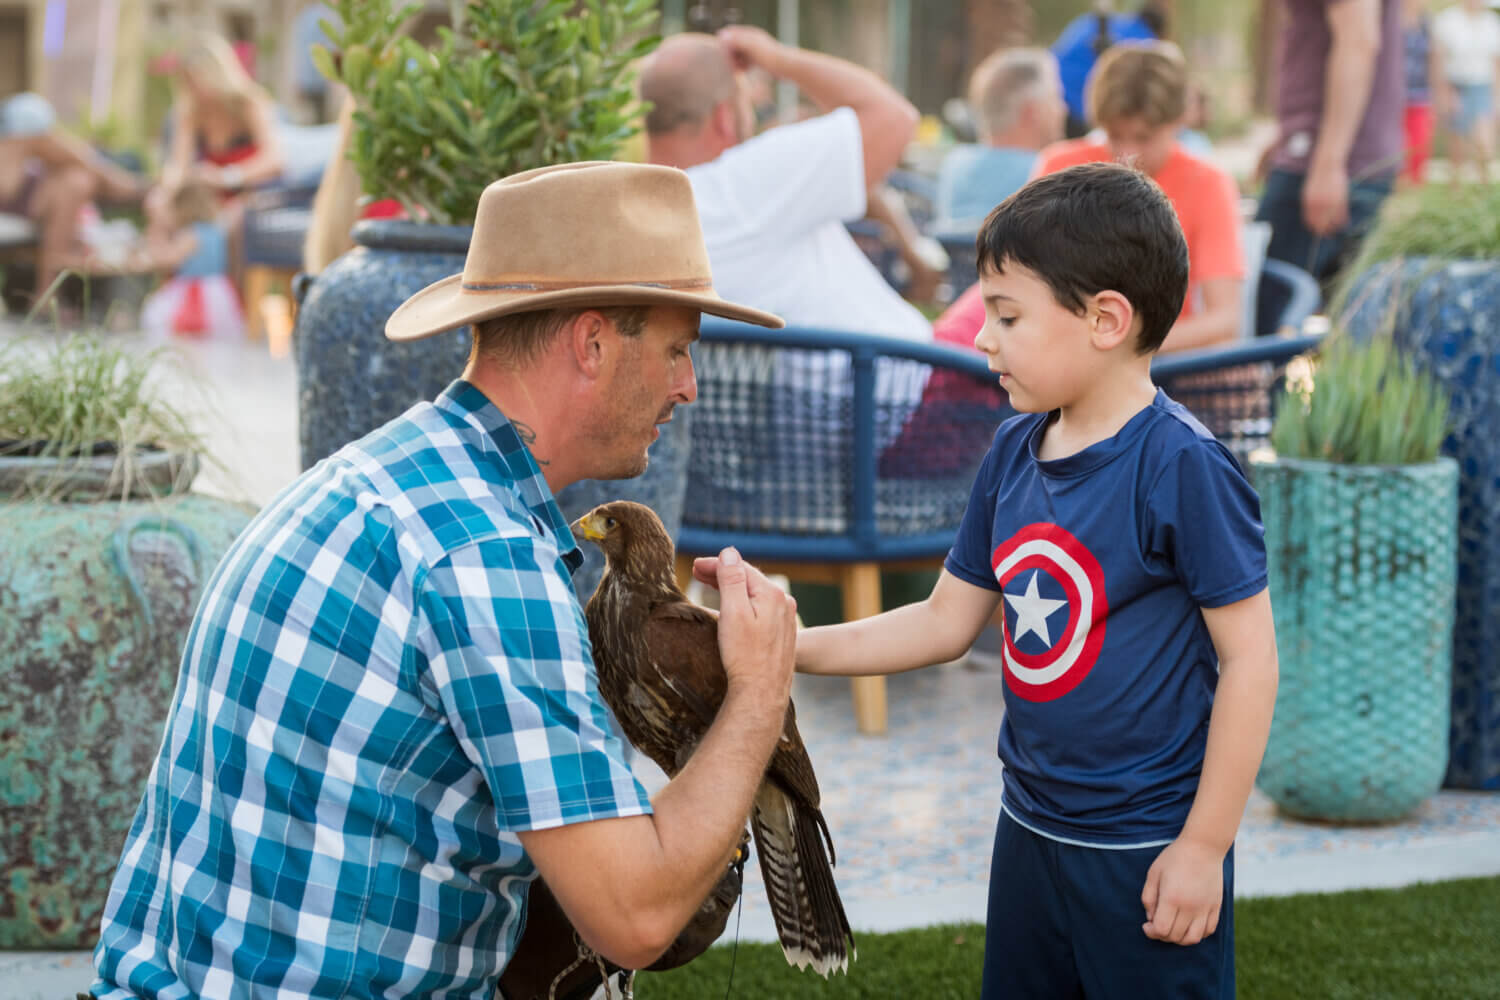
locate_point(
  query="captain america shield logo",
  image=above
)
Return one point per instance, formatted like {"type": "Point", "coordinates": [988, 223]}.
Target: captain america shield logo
{"type": "Point", "coordinates": [1055, 609]}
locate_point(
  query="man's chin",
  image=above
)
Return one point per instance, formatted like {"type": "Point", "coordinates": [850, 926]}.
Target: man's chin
{"type": "Point", "coordinates": [631, 471]}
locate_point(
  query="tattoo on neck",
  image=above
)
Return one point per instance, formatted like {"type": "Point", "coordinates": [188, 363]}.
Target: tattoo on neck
{"type": "Point", "coordinates": [528, 438]}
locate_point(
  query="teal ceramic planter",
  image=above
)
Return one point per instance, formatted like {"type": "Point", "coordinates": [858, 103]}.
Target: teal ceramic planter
{"type": "Point", "coordinates": [95, 603]}
{"type": "Point", "coordinates": [1362, 566]}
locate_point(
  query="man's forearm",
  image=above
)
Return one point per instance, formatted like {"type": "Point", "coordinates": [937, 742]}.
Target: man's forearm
{"type": "Point", "coordinates": [830, 82]}
{"type": "Point", "coordinates": [700, 813]}
{"type": "Point", "coordinates": [1346, 94]}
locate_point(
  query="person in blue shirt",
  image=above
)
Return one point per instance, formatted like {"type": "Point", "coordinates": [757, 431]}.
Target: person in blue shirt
{"type": "Point", "coordinates": [1017, 102]}
{"type": "Point", "coordinates": [1125, 546]}
{"type": "Point", "coordinates": [1086, 37]}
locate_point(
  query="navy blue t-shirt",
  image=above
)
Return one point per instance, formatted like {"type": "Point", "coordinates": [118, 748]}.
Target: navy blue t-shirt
{"type": "Point", "coordinates": [1103, 559]}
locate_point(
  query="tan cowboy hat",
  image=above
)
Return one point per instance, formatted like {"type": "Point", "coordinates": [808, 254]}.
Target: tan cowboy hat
{"type": "Point", "coordinates": [576, 235]}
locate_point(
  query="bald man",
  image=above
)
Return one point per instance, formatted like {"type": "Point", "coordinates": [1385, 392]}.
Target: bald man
{"type": "Point", "coordinates": [774, 205]}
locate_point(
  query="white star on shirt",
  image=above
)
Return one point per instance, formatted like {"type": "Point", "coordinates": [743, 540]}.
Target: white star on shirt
{"type": "Point", "coordinates": [1032, 610]}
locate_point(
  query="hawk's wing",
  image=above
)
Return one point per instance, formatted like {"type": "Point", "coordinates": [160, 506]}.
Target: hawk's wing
{"type": "Point", "coordinates": [684, 639]}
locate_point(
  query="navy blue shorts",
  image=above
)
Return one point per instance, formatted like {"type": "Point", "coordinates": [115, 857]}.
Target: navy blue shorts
{"type": "Point", "coordinates": [1065, 922]}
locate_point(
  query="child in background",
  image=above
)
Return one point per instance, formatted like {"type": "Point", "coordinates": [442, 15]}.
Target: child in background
{"type": "Point", "coordinates": [1125, 546]}
{"type": "Point", "coordinates": [198, 300]}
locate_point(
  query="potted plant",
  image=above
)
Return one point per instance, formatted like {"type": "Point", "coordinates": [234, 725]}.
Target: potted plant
{"type": "Point", "coordinates": [1360, 520]}
{"type": "Point", "coordinates": [509, 86]}
{"type": "Point", "coordinates": [1431, 268]}
{"type": "Point", "coordinates": [104, 552]}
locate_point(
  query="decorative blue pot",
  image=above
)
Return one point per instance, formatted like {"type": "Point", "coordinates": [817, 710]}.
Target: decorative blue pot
{"type": "Point", "coordinates": [1448, 314]}
{"type": "Point", "coordinates": [351, 379]}
{"type": "Point", "coordinates": [95, 603]}
{"type": "Point", "coordinates": [1360, 559]}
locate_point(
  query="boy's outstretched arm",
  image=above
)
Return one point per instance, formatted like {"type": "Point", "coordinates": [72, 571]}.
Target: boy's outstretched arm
{"type": "Point", "coordinates": [936, 630]}
{"type": "Point", "coordinates": [1185, 886]}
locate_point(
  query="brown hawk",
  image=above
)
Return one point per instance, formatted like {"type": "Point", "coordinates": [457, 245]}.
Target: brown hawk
{"type": "Point", "coordinates": [657, 655]}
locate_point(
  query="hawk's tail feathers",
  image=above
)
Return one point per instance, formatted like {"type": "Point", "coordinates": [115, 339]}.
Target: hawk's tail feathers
{"type": "Point", "coordinates": [810, 919]}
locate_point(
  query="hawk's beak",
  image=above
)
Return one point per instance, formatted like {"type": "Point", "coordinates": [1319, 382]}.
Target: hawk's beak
{"type": "Point", "coordinates": [589, 526]}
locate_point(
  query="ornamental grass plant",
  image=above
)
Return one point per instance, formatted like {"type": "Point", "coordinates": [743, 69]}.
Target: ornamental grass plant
{"type": "Point", "coordinates": [1363, 403]}
{"type": "Point", "coordinates": [509, 86]}
{"type": "Point", "coordinates": [83, 397]}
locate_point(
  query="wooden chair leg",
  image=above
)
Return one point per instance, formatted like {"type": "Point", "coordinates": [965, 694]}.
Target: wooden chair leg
{"type": "Point", "coordinates": [257, 287]}
{"type": "Point", "coordinates": [861, 589]}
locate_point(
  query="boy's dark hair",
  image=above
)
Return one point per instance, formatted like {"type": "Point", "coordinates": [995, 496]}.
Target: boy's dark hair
{"type": "Point", "coordinates": [1090, 228]}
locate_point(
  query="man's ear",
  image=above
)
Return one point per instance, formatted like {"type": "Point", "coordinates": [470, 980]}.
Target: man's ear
{"type": "Point", "coordinates": [1112, 320]}
{"type": "Point", "coordinates": [585, 335]}
{"type": "Point", "coordinates": [726, 124]}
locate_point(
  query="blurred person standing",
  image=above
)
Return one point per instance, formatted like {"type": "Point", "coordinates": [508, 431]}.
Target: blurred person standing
{"type": "Point", "coordinates": [1416, 40]}
{"type": "Point", "coordinates": [1087, 37]}
{"type": "Point", "coordinates": [1466, 52]}
{"type": "Point", "coordinates": [774, 205]}
{"type": "Point", "coordinates": [1016, 97]}
{"type": "Point", "coordinates": [1341, 91]}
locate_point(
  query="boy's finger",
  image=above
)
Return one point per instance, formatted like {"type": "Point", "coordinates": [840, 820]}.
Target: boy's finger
{"type": "Point", "coordinates": [1160, 926]}
{"type": "Point", "coordinates": [1149, 891]}
{"type": "Point", "coordinates": [1195, 931]}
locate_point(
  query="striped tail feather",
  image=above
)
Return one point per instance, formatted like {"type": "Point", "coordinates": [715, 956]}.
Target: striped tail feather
{"type": "Point", "coordinates": [810, 921]}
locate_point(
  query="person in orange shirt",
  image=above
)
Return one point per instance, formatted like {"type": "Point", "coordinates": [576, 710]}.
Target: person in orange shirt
{"type": "Point", "coordinates": [1137, 95]}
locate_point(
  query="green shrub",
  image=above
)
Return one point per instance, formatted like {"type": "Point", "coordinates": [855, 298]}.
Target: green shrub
{"type": "Point", "coordinates": [510, 86]}
{"type": "Point", "coordinates": [1365, 403]}
{"type": "Point", "coordinates": [82, 396]}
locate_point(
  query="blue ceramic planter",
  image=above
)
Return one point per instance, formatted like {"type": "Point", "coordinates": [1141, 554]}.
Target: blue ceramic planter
{"type": "Point", "coordinates": [96, 600]}
{"type": "Point", "coordinates": [1448, 314]}
{"type": "Point", "coordinates": [351, 379]}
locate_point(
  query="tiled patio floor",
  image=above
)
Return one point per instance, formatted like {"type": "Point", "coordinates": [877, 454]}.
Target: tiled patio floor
{"type": "Point", "coordinates": [912, 814]}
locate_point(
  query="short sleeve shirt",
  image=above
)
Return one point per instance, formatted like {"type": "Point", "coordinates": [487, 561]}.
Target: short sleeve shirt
{"type": "Point", "coordinates": [1470, 44]}
{"type": "Point", "coordinates": [1104, 560]}
{"type": "Point", "coordinates": [773, 210]}
{"type": "Point", "coordinates": [1302, 67]}
{"type": "Point", "coordinates": [387, 680]}
{"type": "Point", "coordinates": [1204, 195]}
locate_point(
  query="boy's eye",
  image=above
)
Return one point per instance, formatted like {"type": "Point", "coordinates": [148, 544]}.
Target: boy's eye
{"type": "Point", "coordinates": [1006, 321]}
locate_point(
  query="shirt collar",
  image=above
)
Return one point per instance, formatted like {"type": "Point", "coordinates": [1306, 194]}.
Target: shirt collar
{"type": "Point", "coordinates": [464, 400]}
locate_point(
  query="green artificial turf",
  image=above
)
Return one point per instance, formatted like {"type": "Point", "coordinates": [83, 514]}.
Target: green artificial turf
{"type": "Point", "coordinates": [1429, 942]}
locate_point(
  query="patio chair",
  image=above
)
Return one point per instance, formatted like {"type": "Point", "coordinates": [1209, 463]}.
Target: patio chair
{"type": "Point", "coordinates": [830, 456]}
{"type": "Point", "coordinates": [1232, 389]}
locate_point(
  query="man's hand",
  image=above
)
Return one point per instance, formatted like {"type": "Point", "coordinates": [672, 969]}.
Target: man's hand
{"type": "Point", "coordinates": [757, 631]}
{"type": "Point", "coordinates": [1184, 892]}
{"type": "Point", "coordinates": [749, 47]}
{"type": "Point", "coordinates": [1325, 198]}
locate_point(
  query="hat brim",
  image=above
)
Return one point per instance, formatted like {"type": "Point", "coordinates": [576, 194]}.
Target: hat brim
{"type": "Point", "coordinates": [444, 305]}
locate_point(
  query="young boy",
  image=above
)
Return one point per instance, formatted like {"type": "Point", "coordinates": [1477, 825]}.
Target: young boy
{"type": "Point", "coordinates": [1140, 659]}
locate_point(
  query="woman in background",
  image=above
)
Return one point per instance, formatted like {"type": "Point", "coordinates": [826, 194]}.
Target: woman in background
{"type": "Point", "coordinates": [222, 134]}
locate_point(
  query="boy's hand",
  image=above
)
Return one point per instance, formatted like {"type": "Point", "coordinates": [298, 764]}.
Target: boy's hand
{"type": "Point", "coordinates": [1184, 892]}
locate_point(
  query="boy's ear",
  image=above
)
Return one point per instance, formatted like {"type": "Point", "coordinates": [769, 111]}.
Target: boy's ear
{"type": "Point", "coordinates": [1111, 320]}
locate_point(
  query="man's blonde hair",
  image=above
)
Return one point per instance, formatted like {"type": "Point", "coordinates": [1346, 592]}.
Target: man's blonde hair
{"type": "Point", "coordinates": [1002, 84]}
{"type": "Point", "coordinates": [1147, 80]}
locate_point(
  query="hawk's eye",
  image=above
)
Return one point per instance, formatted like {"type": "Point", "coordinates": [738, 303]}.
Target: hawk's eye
{"type": "Point", "coordinates": [609, 522]}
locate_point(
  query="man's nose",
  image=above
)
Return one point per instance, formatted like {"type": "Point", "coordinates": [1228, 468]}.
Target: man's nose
{"type": "Point", "coordinates": [687, 387]}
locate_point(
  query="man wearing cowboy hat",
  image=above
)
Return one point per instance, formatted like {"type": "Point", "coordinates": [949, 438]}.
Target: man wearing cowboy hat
{"type": "Point", "coordinates": [387, 720]}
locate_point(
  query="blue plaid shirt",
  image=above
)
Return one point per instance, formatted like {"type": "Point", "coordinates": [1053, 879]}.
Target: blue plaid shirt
{"type": "Point", "coordinates": [387, 679]}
